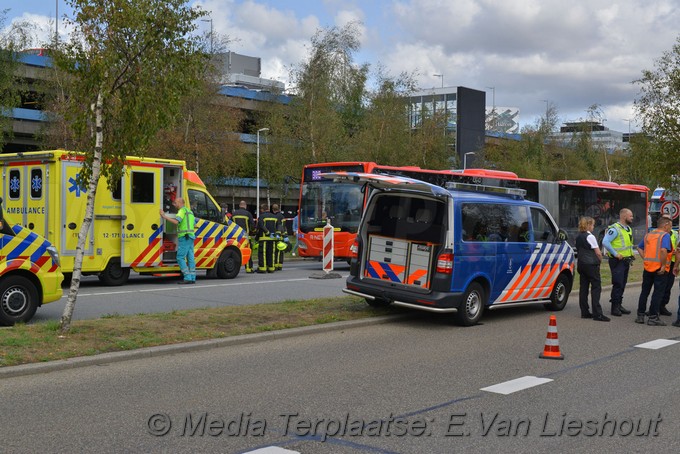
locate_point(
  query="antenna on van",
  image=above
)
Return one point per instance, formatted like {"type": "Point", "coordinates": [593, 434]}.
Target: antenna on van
{"type": "Point", "coordinates": [516, 192]}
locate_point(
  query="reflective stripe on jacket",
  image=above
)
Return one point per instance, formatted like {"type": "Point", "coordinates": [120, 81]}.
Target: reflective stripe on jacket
{"type": "Point", "coordinates": [652, 252]}
{"type": "Point", "coordinates": [187, 224]}
{"type": "Point", "coordinates": [623, 243]}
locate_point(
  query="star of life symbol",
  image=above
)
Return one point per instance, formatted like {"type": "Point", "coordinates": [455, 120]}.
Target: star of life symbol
{"type": "Point", "coordinates": [14, 184]}
{"type": "Point", "coordinates": [36, 183]}
{"type": "Point", "coordinates": [75, 186]}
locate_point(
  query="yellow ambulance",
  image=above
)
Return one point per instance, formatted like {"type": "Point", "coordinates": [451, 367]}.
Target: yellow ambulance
{"type": "Point", "coordinates": [29, 272]}
{"type": "Point", "coordinates": [41, 190]}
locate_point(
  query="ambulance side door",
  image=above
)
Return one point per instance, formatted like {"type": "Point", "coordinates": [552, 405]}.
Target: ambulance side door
{"type": "Point", "coordinates": [74, 196]}
{"type": "Point", "coordinates": [141, 227]}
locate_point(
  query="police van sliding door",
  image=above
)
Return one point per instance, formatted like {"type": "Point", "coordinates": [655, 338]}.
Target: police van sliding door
{"type": "Point", "coordinates": [141, 228]}
{"type": "Point", "coordinates": [25, 196]}
{"type": "Point", "coordinates": [74, 197]}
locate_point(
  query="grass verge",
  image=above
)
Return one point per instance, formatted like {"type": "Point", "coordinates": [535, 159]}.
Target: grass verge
{"type": "Point", "coordinates": [40, 342]}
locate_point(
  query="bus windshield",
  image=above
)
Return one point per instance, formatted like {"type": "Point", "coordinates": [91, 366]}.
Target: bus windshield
{"type": "Point", "coordinates": [322, 199]}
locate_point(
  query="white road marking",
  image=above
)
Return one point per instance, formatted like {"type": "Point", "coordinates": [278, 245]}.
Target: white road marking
{"type": "Point", "coordinates": [517, 384]}
{"type": "Point", "coordinates": [272, 450]}
{"type": "Point", "coordinates": [173, 287]}
{"type": "Point", "coordinates": [657, 344]}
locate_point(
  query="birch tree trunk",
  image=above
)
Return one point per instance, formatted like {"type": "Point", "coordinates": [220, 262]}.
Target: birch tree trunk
{"type": "Point", "coordinates": [67, 315]}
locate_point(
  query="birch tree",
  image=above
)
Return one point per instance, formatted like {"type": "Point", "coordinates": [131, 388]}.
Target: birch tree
{"type": "Point", "coordinates": [127, 65]}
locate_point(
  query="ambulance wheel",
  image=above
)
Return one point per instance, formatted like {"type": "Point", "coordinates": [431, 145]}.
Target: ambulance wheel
{"type": "Point", "coordinates": [229, 264]}
{"type": "Point", "coordinates": [114, 274]}
{"type": "Point", "coordinates": [472, 307]}
{"type": "Point", "coordinates": [559, 294]}
{"type": "Point", "coordinates": [18, 300]}
{"type": "Point", "coordinates": [377, 302]}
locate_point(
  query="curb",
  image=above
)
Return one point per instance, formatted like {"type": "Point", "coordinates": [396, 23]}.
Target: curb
{"type": "Point", "coordinates": [162, 350]}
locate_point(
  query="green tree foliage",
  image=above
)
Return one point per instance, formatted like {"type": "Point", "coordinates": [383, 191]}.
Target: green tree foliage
{"type": "Point", "coordinates": [125, 69]}
{"type": "Point", "coordinates": [386, 135]}
{"type": "Point", "coordinates": [330, 88]}
{"type": "Point", "coordinates": [13, 40]}
{"type": "Point", "coordinates": [658, 107]}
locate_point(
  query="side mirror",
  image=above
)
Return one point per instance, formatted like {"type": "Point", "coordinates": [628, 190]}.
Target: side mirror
{"type": "Point", "coordinates": [562, 236]}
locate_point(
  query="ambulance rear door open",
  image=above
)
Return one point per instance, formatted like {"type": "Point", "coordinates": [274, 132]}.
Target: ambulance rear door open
{"type": "Point", "coordinates": [141, 225]}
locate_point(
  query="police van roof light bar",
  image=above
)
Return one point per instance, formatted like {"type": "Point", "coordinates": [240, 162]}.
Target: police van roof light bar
{"type": "Point", "coordinates": [485, 188]}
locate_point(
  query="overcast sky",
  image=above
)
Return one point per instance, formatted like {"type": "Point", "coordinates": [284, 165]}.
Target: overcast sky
{"type": "Point", "coordinates": [571, 53]}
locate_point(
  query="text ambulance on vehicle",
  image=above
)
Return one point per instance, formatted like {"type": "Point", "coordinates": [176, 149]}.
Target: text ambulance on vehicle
{"type": "Point", "coordinates": [456, 250]}
{"type": "Point", "coordinates": [127, 233]}
{"type": "Point", "coordinates": [29, 272]}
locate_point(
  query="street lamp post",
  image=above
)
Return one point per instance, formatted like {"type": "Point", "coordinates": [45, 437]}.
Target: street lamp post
{"type": "Point", "coordinates": [465, 158]}
{"type": "Point", "coordinates": [441, 76]}
{"type": "Point", "coordinates": [257, 192]}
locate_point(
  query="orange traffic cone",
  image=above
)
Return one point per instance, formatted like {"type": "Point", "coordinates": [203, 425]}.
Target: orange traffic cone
{"type": "Point", "coordinates": [552, 344]}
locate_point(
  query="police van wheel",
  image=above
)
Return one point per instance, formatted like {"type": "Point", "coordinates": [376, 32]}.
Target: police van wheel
{"type": "Point", "coordinates": [377, 302]}
{"type": "Point", "coordinates": [114, 274]}
{"type": "Point", "coordinates": [559, 294]}
{"type": "Point", "coordinates": [18, 300]}
{"type": "Point", "coordinates": [229, 264]}
{"type": "Point", "coordinates": [472, 307]}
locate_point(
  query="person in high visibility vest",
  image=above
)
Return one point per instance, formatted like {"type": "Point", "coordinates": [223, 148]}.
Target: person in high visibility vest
{"type": "Point", "coordinates": [655, 249]}
{"type": "Point", "coordinates": [676, 271]}
{"type": "Point", "coordinates": [618, 245]}
{"type": "Point", "coordinates": [670, 277]}
{"type": "Point", "coordinates": [244, 219]}
{"type": "Point", "coordinates": [266, 235]}
{"type": "Point", "coordinates": [281, 234]}
{"type": "Point", "coordinates": [186, 224]}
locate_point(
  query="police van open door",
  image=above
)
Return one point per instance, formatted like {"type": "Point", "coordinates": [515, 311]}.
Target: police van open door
{"type": "Point", "coordinates": [141, 226]}
{"type": "Point", "coordinates": [74, 197]}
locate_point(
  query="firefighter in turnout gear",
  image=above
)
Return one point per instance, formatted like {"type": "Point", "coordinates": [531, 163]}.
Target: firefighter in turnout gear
{"type": "Point", "coordinates": [244, 219]}
{"type": "Point", "coordinates": [266, 234]}
{"type": "Point", "coordinates": [280, 236]}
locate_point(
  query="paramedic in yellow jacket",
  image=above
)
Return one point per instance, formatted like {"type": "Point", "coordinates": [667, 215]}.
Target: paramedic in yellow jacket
{"type": "Point", "coordinates": [185, 221]}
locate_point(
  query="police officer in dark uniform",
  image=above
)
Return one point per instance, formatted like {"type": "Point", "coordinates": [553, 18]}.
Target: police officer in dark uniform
{"type": "Point", "coordinates": [266, 235]}
{"type": "Point", "coordinates": [280, 235]}
{"type": "Point", "coordinates": [244, 219]}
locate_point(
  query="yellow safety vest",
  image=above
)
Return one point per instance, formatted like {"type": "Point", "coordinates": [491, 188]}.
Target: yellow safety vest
{"type": "Point", "coordinates": [187, 224]}
{"type": "Point", "coordinates": [623, 243]}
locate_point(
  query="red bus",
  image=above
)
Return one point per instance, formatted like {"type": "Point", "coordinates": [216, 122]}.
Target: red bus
{"type": "Point", "coordinates": [567, 200]}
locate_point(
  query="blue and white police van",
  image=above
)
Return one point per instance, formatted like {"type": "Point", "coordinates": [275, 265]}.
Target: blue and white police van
{"type": "Point", "coordinates": [457, 250]}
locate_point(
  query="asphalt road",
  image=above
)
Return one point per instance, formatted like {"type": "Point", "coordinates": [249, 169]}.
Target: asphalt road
{"type": "Point", "coordinates": [414, 385]}
{"type": "Point", "coordinates": [147, 294]}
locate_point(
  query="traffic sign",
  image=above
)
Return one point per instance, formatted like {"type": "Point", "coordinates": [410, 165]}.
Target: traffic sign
{"type": "Point", "coordinates": [670, 209]}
